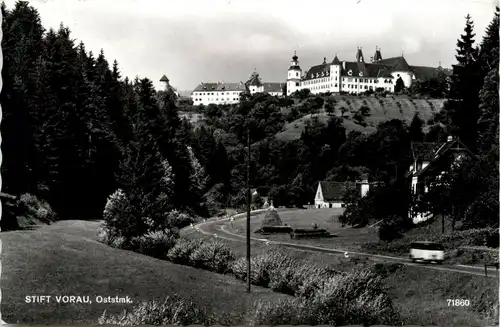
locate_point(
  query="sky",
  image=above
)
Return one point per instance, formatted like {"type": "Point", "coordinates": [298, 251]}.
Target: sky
{"type": "Point", "coordinates": [193, 41]}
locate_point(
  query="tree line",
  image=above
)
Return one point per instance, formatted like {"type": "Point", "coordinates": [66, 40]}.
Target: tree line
{"type": "Point", "coordinates": [75, 131]}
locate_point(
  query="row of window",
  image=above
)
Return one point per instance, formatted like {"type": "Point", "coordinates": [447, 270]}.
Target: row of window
{"type": "Point", "coordinates": [217, 99]}
{"type": "Point", "coordinates": [212, 93]}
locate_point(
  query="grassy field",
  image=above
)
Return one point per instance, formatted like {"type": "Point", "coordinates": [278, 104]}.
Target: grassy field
{"type": "Point", "coordinates": [421, 297]}
{"type": "Point", "coordinates": [65, 259]}
{"type": "Point", "coordinates": [348, 238]}
{"type": "Point", "coordinates": [420, 294]}
{"type": "Point", "coordinates": [382, 109]}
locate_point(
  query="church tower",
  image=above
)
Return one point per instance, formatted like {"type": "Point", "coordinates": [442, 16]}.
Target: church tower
{"type": "Point", "coordinates": [359, 56]}
{"type": "Point", "coordinates": [294, 76]}
{"type": "Point", "coordinates": [336, 73]}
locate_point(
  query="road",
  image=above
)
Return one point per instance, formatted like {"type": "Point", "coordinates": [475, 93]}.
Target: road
{"type": "Point", "coordinates": [217, 228]}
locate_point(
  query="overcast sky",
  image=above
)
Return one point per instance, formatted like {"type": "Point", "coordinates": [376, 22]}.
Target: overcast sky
{"type": "Point", "coordinates": [192, 41]}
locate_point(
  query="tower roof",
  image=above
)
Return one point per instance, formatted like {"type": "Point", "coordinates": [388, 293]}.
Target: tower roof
{"type": "Point", "coordinates": [378, 55]}
{"type": "Point", "coordinates": [336, 60]}
{"type": "Point", "coordinates": [359, 56]}
{"type": "Point", "coordinates": [254, 80]}
{"type": "Point", "coordinates": [164, 79]}
{"type": "Point", "coordinates": [295, 58]}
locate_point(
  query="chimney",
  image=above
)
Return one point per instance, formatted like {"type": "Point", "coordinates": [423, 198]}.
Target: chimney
{"type": "Point", "coordinates": [450, 138]}
{"type": "Point", "coordinates": [343, 64]}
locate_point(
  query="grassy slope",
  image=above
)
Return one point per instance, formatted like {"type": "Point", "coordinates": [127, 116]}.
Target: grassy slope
{"type": "Point", "coordinates": [65, 259]}
{"type": "Point", "coordinates": [420, 294]}
{"type": "Point", "coordinates": [348, 238]}
{"type": "Point", "coordinates": [379, 113]}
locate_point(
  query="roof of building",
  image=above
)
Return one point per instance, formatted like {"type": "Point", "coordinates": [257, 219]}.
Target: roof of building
{"type": "Point", "coordinates": [424, 73]}
{"type": "Point", "coordinates": [273, 87]}
{"type": "Point", "coordinates": [335, 191]}
{"type": "Point", "coordinates": [164, 79]}
{"type": "Point", "coordinates": [433, 151]}
{"type": "Point", "coordinates": [254, 80]}
{"type": "Point", "coordinates": [424, 150]}
{"type": "Point", "coordinates": [366, 70]}
{"type": "Point", "coordinates": [220, 86]}
{"type": "Point", "coordinates": [395, 63]}
{"type": "Point", "coordinates": [318, 71]}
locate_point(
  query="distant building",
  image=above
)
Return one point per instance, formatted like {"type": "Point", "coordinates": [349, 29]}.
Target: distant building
{"type": "Point", "coordinates": [330, 194]}
{"type": "Point", "coordinates": [255, 85]}
{"type": "Point", "coordinates": [167, 86]}
{"type": "Point", "coordinates": [229, 93]}
{"type": "Point", "coordinates": [217, 93]}
{"type": "Point", "coordinates": [430, 161]}
{"type": "Point", "coordinates": [357, 76]}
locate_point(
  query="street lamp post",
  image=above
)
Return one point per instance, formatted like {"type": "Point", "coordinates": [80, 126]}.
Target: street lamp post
{"type": "Point", "coordinates": [249, 200]}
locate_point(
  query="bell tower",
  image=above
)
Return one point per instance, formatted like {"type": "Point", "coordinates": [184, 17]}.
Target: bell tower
{"type": "Point", "coordinates": [294, 75]}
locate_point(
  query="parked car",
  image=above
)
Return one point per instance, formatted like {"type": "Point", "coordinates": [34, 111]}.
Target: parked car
{"type": "Point", "coordinates": [427, 252]}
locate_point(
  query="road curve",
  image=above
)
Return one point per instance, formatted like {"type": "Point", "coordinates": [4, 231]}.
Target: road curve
{"type": "Point", "coordinates": [216, 228]}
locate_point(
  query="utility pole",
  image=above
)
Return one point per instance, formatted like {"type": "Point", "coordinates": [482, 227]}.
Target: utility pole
{"type": "Point", "coordinates": [249, 200]}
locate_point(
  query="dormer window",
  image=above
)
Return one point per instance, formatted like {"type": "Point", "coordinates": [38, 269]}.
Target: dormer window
{"type": "Point", "coordinates": [349, 73]}
{"type": "Point", "coordinates": [360, 73]}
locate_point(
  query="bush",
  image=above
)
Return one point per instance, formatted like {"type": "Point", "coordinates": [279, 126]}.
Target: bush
{"type": "Point", "coordinates": [154, 244]}
{"type": "Point", "coordinates": [182, 250]}
{"type": "Point", "coordinates": [214, 256]}
{"type": "Point", "coordinates": [282, 273]}
{"type": "Point", "coordinates": [121, 219]}
{"type": "Point", "coordinates": [177, 219]}
{"type": "Point", "coordinates": [281, 312]}
{"type": "Point", "coordinates": [173, 311]}
{"type": "Point", "coordinates": [384, 270]}
{"type": "Point", "coordinates": [34, 208]}
{"type": "Point", "coordinates": [354, 298]}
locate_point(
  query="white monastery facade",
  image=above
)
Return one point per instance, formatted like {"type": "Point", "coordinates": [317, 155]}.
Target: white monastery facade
{"type": "Point", "coordinates": [356, 76]}
{"type": "Point", "coordinates": [337, 76]}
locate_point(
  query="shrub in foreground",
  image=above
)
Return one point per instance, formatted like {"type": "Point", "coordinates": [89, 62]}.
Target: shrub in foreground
{"type": "Point", "coordinates": [35, 208]}
{"type": "Point", "coordinates": [214, 256]}
{"type": "Point", "coordinates": [173, 311]}
{"type": "Point", "coordinates": [182, 250]}
{"type": "Point", "coordinates": [154, 244]}
{"type": "Point", "coordinates": [354, 298]}
{"type": "Point", "coordinates": [281, 273]}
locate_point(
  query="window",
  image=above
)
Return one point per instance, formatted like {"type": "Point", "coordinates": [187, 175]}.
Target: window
{"type": "Point", "coordinates": [296, 74]}
{"type": "Point", "coordinates": [296, 84]}
{"type": "Point", "coordinates": [427, 246]}
{"type": "Point", "coordinates": [355, 80]}
{"type": "Point", "coordinates": [335, 84]}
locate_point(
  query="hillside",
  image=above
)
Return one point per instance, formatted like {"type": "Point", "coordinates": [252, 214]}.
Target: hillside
{"type": "Point", "coordinates": [66, 259]}
{"type": "Point", "coordinates": [382, 109]}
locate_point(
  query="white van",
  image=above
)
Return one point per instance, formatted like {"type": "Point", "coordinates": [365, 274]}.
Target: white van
{"type": "Point", "coordinates": [427, 252]}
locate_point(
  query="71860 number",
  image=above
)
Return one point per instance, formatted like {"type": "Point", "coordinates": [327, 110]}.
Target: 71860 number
{"type": "Point", "coordinates": [458, 302]}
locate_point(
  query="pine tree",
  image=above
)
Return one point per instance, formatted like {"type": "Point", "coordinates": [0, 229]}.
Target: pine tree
{"type": "Point", "coordinates": [462, 108]}
{"type": "Point", "coordinates": [22, 47]}
{"type": "Point", "coordinates": [490, 44]}
{"type": "Point", "coordinates": [415, 130]}
{"type": "Point", "coordinates": [488, 117]}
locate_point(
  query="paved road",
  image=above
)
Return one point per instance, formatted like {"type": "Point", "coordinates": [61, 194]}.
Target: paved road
{"type": "Point", "coordinates": [218, 229]}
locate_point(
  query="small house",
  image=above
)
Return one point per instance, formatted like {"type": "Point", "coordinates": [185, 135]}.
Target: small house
{"type": "Point", "coordinates": [431, 160]}
{"type": "Point", "coordinates": [330, 194]}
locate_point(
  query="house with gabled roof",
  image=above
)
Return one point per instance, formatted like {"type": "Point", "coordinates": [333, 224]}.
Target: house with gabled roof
{"type": "Point", "coordinates": [330, 194]}
{"type": "Point", "coordinates": [429, 161]}
{"type": "Point", "coordinates": [357, 76]}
